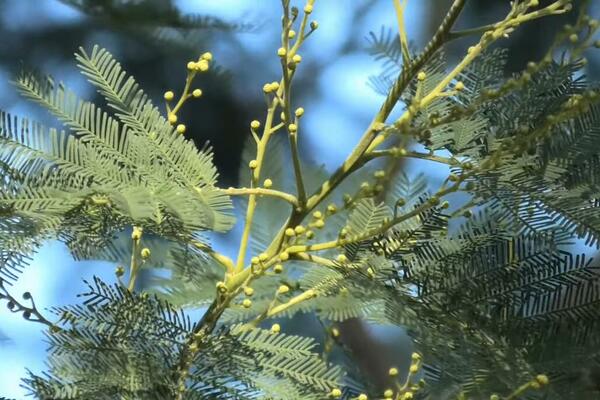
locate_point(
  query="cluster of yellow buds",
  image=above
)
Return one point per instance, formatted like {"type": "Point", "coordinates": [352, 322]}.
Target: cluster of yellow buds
{"type": "Point", "coordinates": [202, 65]}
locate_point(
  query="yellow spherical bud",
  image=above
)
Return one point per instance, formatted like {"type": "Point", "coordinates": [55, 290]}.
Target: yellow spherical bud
{"type": "Point", "coordinates": [283, 289]}
{"type": "Point", "coordinates": [319, 223]}
{"type": "Point", "coordinates": [290, 232]}
{"type": "Point", "coordinates": [207, 56]}
{"type": "Point", "coordinates": [318, 214]}
{"type": "Point", "coordinates": [308, 8]}
{"type": "Point", "coordinates": [275, 328]}
{"type": "Point", "coordinates": [292, 128]}
{"type": "Point", "coordinates": [314, 25]}
{"type": "Point", "coordinates": [299, 230]}
{"type": "Point", "coordinates": [494, 397]}
{"type": "Point", "coordinates": [255, 124]}
{"type": "Point", "coordinates": [253, 164]}
{"type": "Point", "coordinates": [299, 112]}
{"type": "Point", "coordinates": [254, 260]}
{"type": "Point", "coordinates": [263, 257]}
{"type": "Point", "coordinates": [534, 3]}
{"type": "Point", "coordinates": [291, 34]}
{"type": "Point", "coordinates": [413, 369]}
{"type": "Point", "coordinates": [202, 66]}
{"type": "Point", "coordinates": [332, 208]}
{"type": "Point", "coordinates": [542, 379]}
{"type": "Point", "coordinates": [335, 332]}
{"type": "Point", "coordinates": [172, 118]}
{"type": "Point", "coordinates": [459, 86]}
{"type": "Point", "coordinates": [191, 66]}
{"type": "Point", "coordinates": [393, 372]}
{"type": "Point", "coordinates": [267, 88]}
{"type": "Point", "coordinates": [247, 303]}
{"type": "Point", "coordinates": [297, 58]}
{"type": "Point", "coordinates": [407, 396]}
{"type": "Point", "coordinates": [248, 291]}
{"type": "Point", "coordinates": [342, 258]}
{"type": "Point", "coordinates": [421, 76]}
{"type": "Point", "coordinates": [415, 356]}
{"type": "Point", "coordinates": [181, 129]}
{"type": "Point", "coordinates": [310, 234]}
{"type": "Point", "coordinates": [169, 95]}
{"type": "Point", "coordinates": [267, 183]}
{"type": "Point", "coordinates": [284, 256]}
{"type": "Point", "coordinates": [388, 394]}
{"type": "Point", "coordinates": [573, 38]}
{"type": "Point", "coordinates": [197, 93]}
{"type": "Point", "coordinates": [281, 52]}
{"type": "Point", "coordinates": [145, 253]}
{"type": "Point", "coordinates": [336, 393]}
{"type": "Point", "coordinates": [278, 268]}
{"type": "Point", "coordinates": [274, 85]}
{"type": "Point", "coordinates": [362, 396]}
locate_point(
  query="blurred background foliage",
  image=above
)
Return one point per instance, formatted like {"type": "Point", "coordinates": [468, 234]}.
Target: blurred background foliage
{"type": "Point", "coordinates": [154, 39]}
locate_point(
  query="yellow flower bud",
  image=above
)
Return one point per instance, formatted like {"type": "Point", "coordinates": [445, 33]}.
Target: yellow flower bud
{"type": "Point", "coordinates": [145, 253]}
{"type": "Point", "coordinates": [248, 291]}
{"type": "Point", "coordinates": [267, 88]}
{"type": "Point", "coordinates": [119, 271]}
{"type": "Point", "coordinates": [421, 76]}
{"type": "Point", "coordinates": [342, 258]}
{"type": "Point", "coordinates": [267, 183]}
{"type": "Point", "coordinates": [283, 289]}
{"type": "Point", "coordinates": [274, 85]}
{"type": "Point", "coordinates": [415, 356]}
{"type": "Point", "coordinates": [291, 34]}
{"type": "Point", "coordinates": [393, 372]}
{"type": "Point", "coordinates": [362, 396]}
{"type": "Point", "coordinates": [197, 93]}
{"type": "Point", "coordinates": [253, 164]}
{"type": "Point", "coordinates": [299, 112]}
{"type": "Point", "coordinates": [290, 232]}
{"type": "Point", "coordinates": [297, 58]}
{"type": "Point", "coordinates": [292, 128]}
{"type": "Point", "coordinates": [247, 303]}
{"type": "Point", "coordinates": [336, 393]}
{"type": "Point", "coordinates": [407, 396]}
{"type": "Point", "coordinates": [207, 56]}
{"type": "Point", "coordinates": [169, 95]}
{"type": "Point", "coordinates": [299, 230]}
{"type": "Point", "coordinates": [191, 66]}
{"type": "Point", "coordinates": [310, 234]}
{"type": "Point", "coordinates": [181, 128]}
{"type": "Point", "coordinates": [319, 223]}
{"type": "Point", "coordinates": [413, 369]}
{"type": "Point", "coordinates": [281, 52]}
{"type": "Point", "coordinates": [278, 268]}
{"type": "Point", "coordinates": [255, 124]}
{"type": "Point", "coordinates": [335, 332]}
{"type": "Point", "coordinates": [172, 118]}
{"type": "Point", "coordinates": [459, 86]}
{"type": "Point", "coordinates": [308, 8]}
{"type": "Point", "coordinates": [542, 379]}
{"type": "Point", "coordinates": [332, 208]}
{"type": "Point", "coordinates": [254, 260]}
{"type": "Point", "coordinates": [318, 214]}
{"type": "Point", "coordinates": [275, 328]}
{"type": "Point", "coordinates": [263, 257]}
{"type": "Point", "coordinates": [314, 25]}
{"type": "Point", "coordinates": [202, 66]}
{"type": "Point", "coordinates": [284, 256]}
{"type": "Point", "coordinates": [388, 394]}
{"type": "Point", "coordinates": [136, 234]}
